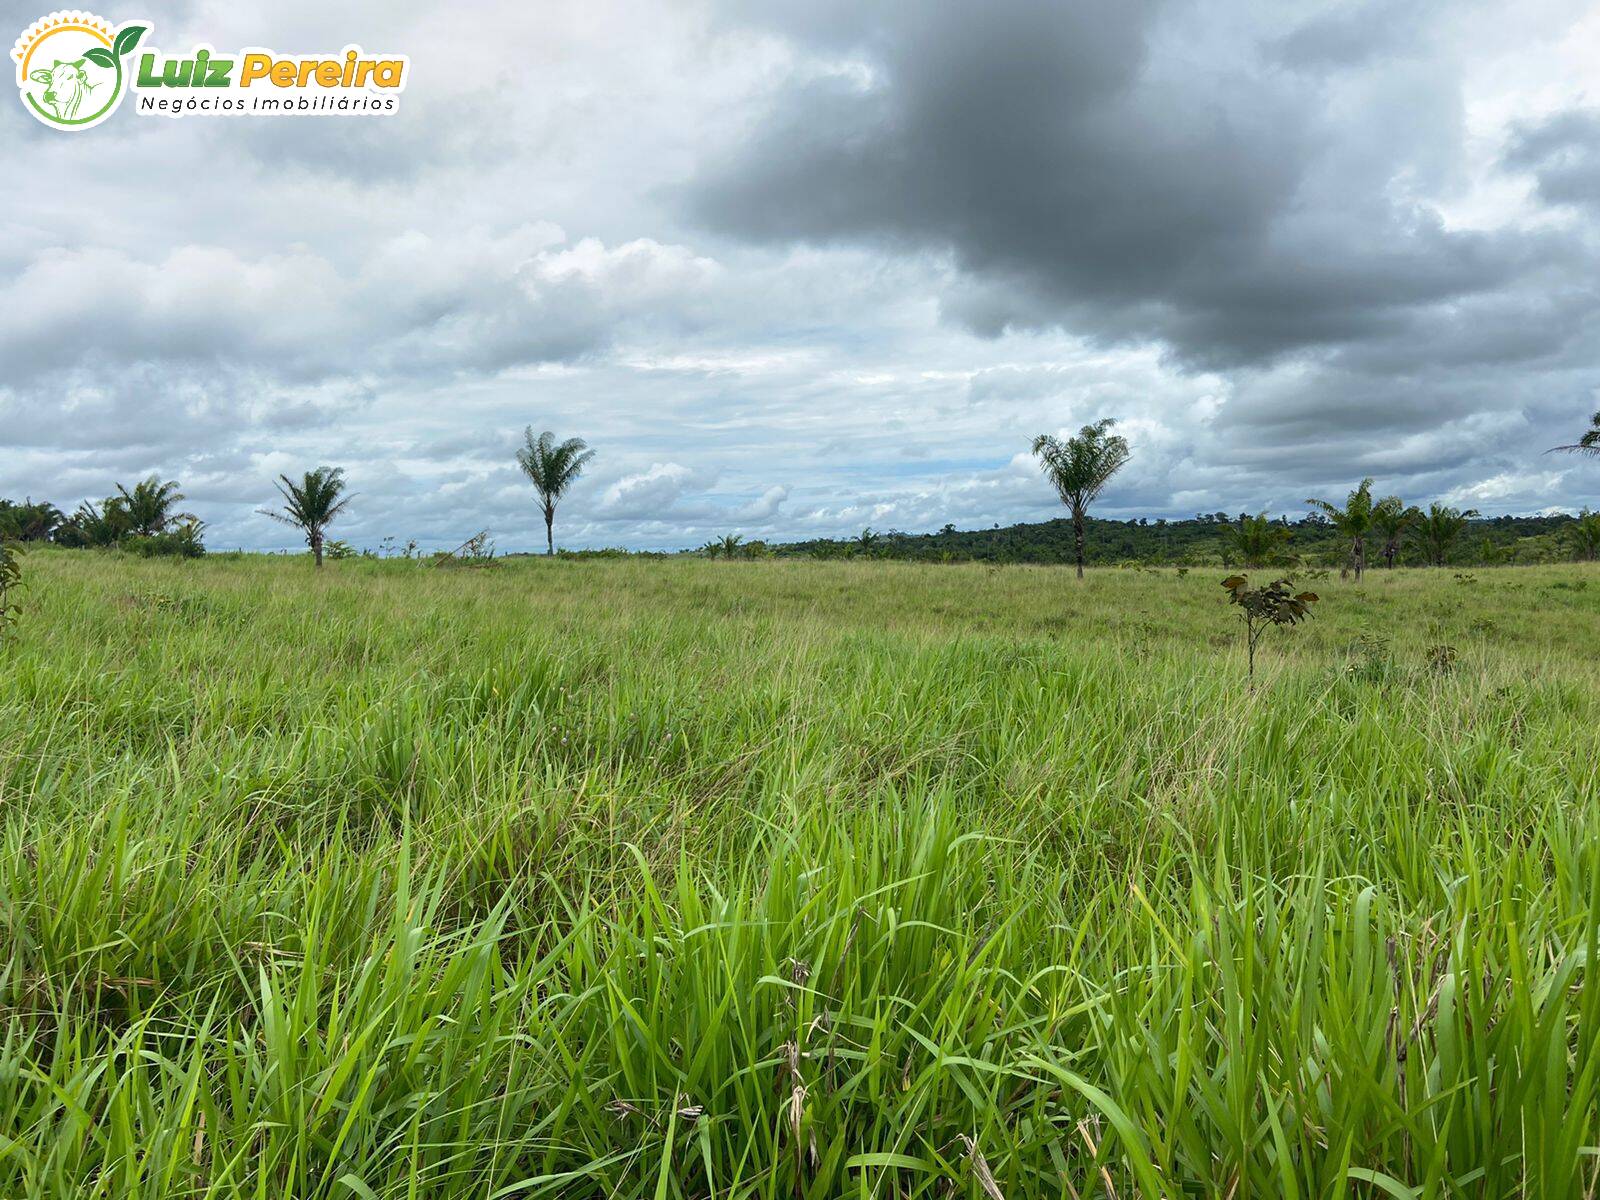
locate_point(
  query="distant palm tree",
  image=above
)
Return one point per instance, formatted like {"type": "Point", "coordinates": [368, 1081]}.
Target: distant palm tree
{"type": "Point", "coordinates": [149, 506]}
{"type": "Point", "coordinates": [1491, 555]}
{"type": "Point", "coordinates": [102, 525]}
{"type": "Point", "coordinates": [1353, 522]}
{"type": "Point", "coordinates": [1439, 529]}
{"type": "Point", "coordinates": [553, 468]}
{"type": "Point", "coordinates": [1080, 468]}
{"type": "Point", "coordinates": [1258, 541]}
{"type": "Point", "coordinates": [29, 521]}
{"type": "Point", "coordinates": [311, 505]}
{"type": "Point", "coordinates": [867, 542]}
{"type": "Point", "coordinates": [1586, 535]}
{"type": "Point", "coordinates": [1589, 443]}
{"type": "Point", "coordinates": [730, 545]}
{"type": "Point", "coordinates": [1390, 520]}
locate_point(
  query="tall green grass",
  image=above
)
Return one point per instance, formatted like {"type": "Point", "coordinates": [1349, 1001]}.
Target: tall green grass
{"type": "Point", "coordinates": [773, 880]}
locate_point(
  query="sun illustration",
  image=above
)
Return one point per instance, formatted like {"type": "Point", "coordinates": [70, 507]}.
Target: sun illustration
{"type": "Point", "coordinates": [69, 67]}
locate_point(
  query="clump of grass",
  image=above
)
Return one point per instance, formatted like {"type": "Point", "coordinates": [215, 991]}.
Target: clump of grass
{"type": "Point", "coordinates": [535, 882]}
{"type": "Point", "coordinates": [10, 584]}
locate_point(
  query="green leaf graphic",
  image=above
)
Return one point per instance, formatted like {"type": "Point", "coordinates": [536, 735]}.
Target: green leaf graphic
{"type": "Point", "coordinates": [100, 57]}
{"type": "Point", "coordinates": [129, 38]}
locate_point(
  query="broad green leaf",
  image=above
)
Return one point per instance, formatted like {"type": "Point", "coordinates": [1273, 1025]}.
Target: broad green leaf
{"type": "Point", "coordinates": [128, 39]}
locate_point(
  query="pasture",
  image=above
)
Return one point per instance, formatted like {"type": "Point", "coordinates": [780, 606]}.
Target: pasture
{"type": "Point", "coordinates": [794, 879]}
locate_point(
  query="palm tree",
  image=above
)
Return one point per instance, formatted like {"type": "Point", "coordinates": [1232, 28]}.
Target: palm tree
{"type": "Point", "coordinates": [867, 542]}
{"type": "Point", "coordinates": [312, 504]}
{"type": "Point", "coordinates": [1586, 535]}
{"type": "Point", "coordinates": [1258, 541]}
{"type": "Point", "coordinates": [1080, 468]}
{"type": "Point", "coordinates": [730, 545]}
{"type": "Point", "coordinates": [553, 468]}
{"type": "Point", "coordinates": [1439, 528]}
{"type": "Point", "coordinates": [1589, 443]}
{"type": "Point", "coordinates": [29, 521]}
{"type": "Point", "coordinates": [149, 506]}
{"type": "Point", "coordinates": [102, 525]}
{"type": "Point", "coordinates": [1390, 520]}
{"type": "Point", "coordinates": [1353, 522]}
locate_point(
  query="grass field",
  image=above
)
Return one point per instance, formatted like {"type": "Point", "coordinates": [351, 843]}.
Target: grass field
{"type": "Point", "coordinates": [689, 879]}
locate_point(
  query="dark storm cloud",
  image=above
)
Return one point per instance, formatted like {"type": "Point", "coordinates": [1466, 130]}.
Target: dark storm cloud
{"type": "Point", "coordinates": [1562, 152]}
{"type": "Point", "coordinates": [1089, 168]}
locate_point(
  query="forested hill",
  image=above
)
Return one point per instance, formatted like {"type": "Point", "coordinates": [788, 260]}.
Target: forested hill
{"type": "Point", "coordinates": [1195, 541]}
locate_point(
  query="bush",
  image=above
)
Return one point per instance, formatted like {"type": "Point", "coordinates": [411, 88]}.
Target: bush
{"type": "Point", "coordinates": [183, 542]}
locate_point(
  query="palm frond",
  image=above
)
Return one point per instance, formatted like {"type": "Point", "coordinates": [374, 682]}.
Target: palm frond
{"type": "Point", "coordinates": [1588, 444]}
{"type": "Point", "coordinates": [311, 504]}
{"type": "Point", "coordinates": [1080, 467]}
{"type": "Point", "coordinates": [552, 466]}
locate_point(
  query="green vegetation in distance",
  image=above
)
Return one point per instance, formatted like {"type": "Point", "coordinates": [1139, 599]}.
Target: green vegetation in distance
{"type": "Point", "coordinates": [141, 520]}
{"type": "Point", "coordinates": [661, 879]}
{"type": "Point", "coordinates": [1210, 539]}
{"type": "Point", "coordinates": [1257, 541]}
{"type": "Point", "coordinates": [1586, 536]}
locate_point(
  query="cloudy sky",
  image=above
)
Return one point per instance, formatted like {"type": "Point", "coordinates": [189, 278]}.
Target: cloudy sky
{"type": "Point", "coordinates": [794, 269]}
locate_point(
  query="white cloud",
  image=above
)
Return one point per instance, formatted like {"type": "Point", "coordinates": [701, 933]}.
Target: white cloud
{"type": "Point", "coordinates": [765, 507]}
{"type": "Point", "coordinates": [649, 494]}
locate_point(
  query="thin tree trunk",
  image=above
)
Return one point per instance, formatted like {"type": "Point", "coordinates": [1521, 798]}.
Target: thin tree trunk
{"type": "Point", "coordinates": [1077, 538]}
{"type": "Point", "coordinates": [1360, 557]}
{"type": "Point", "coordinates": [549, 533]}
{"type": "Point", "coordinates": [316, 547]}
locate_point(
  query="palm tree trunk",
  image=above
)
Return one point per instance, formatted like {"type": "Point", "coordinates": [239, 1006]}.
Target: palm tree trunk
{"type": "Point", "coordinates": [1360, 557]}
{"type": "Point", "coordinates": [316, 547]}
{"type": "Point", "coordinates": [1077, 538]}
{"type": "Point", "coordinates": [549, 533]}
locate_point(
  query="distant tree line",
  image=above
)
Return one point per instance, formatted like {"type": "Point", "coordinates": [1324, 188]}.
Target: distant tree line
{"type": "Point", "coordinates": [1440, 536]}
{"type": "Point", "coordinates": [1217, 539]}
{"type": "Point", "coordinates": [145, 519]}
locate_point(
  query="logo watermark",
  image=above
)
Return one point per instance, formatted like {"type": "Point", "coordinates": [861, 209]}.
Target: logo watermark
{"type": "Point", "coordinates": [74, 68]}
{"type": "Point", "coordinates": [71, 67]}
